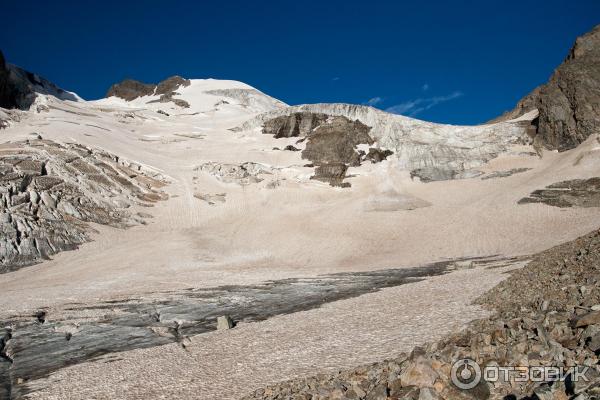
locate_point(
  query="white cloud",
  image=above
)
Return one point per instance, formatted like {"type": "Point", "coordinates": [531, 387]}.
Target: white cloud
{"type": "Point", "coordinates": [413, 107]}
{"type": "Point", "coordinates": [335, 78]}
{"type": "Point", "coordinates": [374, 101]}
{"type": "Point", "coordinates": [425, 87]}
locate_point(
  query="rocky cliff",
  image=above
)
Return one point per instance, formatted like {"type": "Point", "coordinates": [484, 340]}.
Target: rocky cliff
{"type": "Point", "coordinates": [20, 88]}
{"type": "Point", "coordinates": [569, 104]}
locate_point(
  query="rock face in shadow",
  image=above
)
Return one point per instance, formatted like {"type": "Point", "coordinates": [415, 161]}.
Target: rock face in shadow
{"type": "Point", "coordinates": [294, 125]}
{"type": "Point", "coordinates": [50, 192]}
{"type": "Point", "coordinates": [569, 104]}
{"type": "Point", "coordinates": [19, 88]}
{"type": "Point", "coordinates": [574, 193]}
{"type": "Point", "coordinates": [331, 142]}
{"type": "Point", "coordinates": [10, 96]}
{"type": "Point", "coordinates": [130, 89]}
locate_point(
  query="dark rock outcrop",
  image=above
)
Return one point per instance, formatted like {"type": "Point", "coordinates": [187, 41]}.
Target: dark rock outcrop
{"type": "Point", "coordinates": [130, 89]}
{"type": "Point", "coordinates": [331, 142]}
{"type": "Point", "coordinates": [10, 96]}
{"type": "Point", "coordinates": [289, 147]}
{"type": "Point", "coordinates": [171, 84]}
{"type": "Point", "coordinates": [294, 125]}
{"type": "Point", "coordinates": [335, 141]}
{"type": "Point", "coordinates": [574, 193]}
{"type": "Point", "coordinates": [18, 88]}
{"type": "Point", "coordinates": [569, 104]}
{"type": "Point", "coordinates": [377, 155]}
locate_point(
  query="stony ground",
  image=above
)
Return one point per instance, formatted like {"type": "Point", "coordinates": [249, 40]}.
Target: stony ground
{"type": "Point", "coordinates": [546, 314]}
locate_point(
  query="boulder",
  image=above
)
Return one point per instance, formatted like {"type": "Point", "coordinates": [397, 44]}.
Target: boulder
{"type": "Point", "coordinates": [224, 322]}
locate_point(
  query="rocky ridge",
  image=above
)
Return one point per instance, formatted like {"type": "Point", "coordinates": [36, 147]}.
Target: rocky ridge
{"type": "Point", "coordinates": [20, 89]}
{"type": "Point", "coordinates": [49, 192]}
{"type": "Point", "coordinates": [130, 89]}
{"type": "Point", "coordinates": [569, 104]}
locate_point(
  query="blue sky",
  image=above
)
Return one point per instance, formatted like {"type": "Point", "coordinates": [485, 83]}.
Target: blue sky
{"type": "Point", "coordinates": [445, 61]}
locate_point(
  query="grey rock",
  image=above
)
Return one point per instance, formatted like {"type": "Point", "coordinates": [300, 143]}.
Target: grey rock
{"type": "Point", "coordinates": [573, 193]}
{"type": "Point", "coordinates": [224, 322]}
{"type": "Point", "coordinates": [379, 392]}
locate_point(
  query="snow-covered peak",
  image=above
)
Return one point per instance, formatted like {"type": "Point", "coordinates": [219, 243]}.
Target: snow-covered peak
{"type": "Point", "coordinates": [189, 96]}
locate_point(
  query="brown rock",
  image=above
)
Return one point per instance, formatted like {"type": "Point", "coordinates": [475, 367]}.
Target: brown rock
{"type": "Point", "coordinates": [591, 318]}
{"type": "Point", "coordinates": [419, 373]}
{"type": "Point", "coordinates": [569, 104]}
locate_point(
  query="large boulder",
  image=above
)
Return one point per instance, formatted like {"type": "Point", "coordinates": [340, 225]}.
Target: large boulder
{"type": "Point", "coordinates": [569, 104]}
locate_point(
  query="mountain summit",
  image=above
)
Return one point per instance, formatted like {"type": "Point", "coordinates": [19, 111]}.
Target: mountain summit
{"type": "Point", "coordinates": [569, 104]}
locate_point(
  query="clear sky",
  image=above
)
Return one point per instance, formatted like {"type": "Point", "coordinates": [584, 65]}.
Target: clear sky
{"type": "Point", "coordinates": [444, 61]}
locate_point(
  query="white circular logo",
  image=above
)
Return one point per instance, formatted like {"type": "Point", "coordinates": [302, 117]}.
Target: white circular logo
{"type": "Point", "coordinates": [465, 374]}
